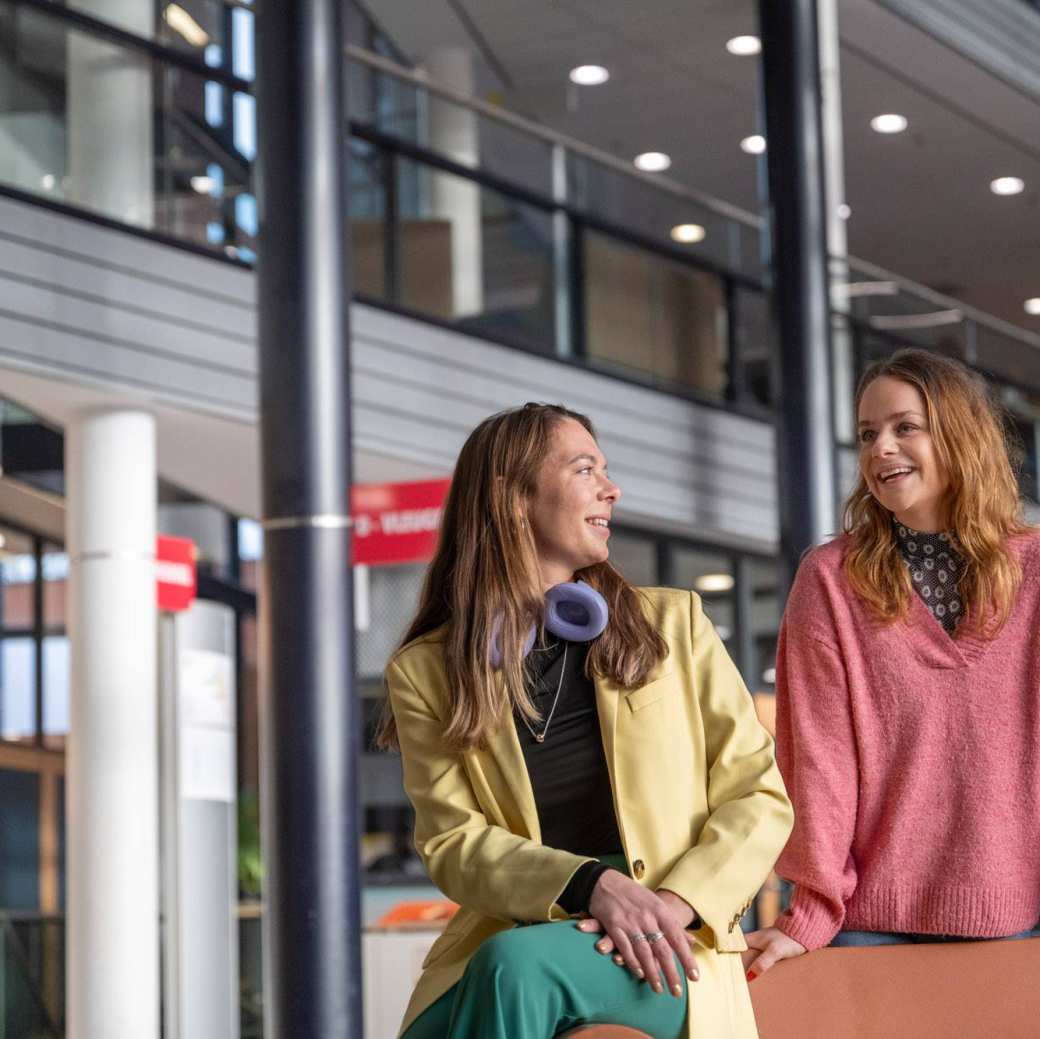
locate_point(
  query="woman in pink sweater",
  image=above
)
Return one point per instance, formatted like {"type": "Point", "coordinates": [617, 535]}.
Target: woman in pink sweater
{"type": "Point", "coordinates": [908, 685]}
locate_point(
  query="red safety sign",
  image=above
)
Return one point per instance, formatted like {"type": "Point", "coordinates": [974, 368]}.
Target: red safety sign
{"type": "Point", "coordinates": [175, 572]}
{"type": "Point", "coordinates": [396, 522]}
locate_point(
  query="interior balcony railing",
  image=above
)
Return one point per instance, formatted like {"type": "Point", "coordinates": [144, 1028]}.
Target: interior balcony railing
{"type": "Point", "coordinates": [461, 213]}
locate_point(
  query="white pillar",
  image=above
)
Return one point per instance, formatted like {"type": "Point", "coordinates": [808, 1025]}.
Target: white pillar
{"type": "Point", "coordinates": [453, 133]}
{"type": "Point", "coordinates": [110, 112]}
{"type": "Point", "coordinates": [113, 779]}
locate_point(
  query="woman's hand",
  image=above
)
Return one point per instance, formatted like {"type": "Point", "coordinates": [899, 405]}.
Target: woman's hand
{"type": "Point", "coordinates": [766, 947]}
{"type": "Point", "coordinates": [629, 914]}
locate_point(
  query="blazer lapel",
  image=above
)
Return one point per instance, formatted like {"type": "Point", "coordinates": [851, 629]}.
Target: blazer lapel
{"type": "Point", "coordinates": [607, 695]}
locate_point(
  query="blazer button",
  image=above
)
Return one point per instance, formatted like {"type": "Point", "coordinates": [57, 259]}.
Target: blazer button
{"type": "Point", "coordinates": [638, 869]}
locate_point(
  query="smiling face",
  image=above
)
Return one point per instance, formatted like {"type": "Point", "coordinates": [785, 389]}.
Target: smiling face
{"type": "Point", "coordinates": [897, 455]}
{"type": "Point", "coordinates": [570, 508]}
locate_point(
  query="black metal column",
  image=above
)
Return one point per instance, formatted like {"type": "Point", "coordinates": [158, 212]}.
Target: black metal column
{"type": "Point", "coordinates": [798, 252]}
{"type": "Point", "coordinates": [309, 710]}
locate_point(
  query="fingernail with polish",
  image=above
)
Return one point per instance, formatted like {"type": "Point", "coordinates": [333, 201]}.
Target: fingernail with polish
{"type": "Point", "coordinates": [694, 975]}
{"type": "Point", "coordinates": [639, 973]}
{"type": "Point", "coordinates": [677, 990]}
{"type": "Point", "coordinates": [751, 975]}
{"type": "Point", "coordinates": [658, 987]}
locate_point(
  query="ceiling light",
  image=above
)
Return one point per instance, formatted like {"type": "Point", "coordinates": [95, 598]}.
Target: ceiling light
{"type": "Point", "coordinates": [652, 162]}
{"type": "Point", "coordinates": [688, 233]}
{"type": "Point", "coordinates": [589, 75]}
{"type": "Point", "coordinates": [1007, 186]}
{"type": "Point", "coordinates": [203, 185]}
{"type": "Point", "coordinates": [47, 181]}
{"type": "Point", "coordinates": [753, 145]}
{"type": "Point", "coordinates": [889, 123]}
{"type": "Point", "coordinates": [1032, 305]}
{"type": "Point", "coordinates": [744, 46]}
{"type": "Point", "coordinates": [713, 583]}
{"type": "Point", "coordinates": [181, 22]}
{"type": "Point", "coordinates": [844, 211]}
{"type": "Point", "coordinates": [769, 676]}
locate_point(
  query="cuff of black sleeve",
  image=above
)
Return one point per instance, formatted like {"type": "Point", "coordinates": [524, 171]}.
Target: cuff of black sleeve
{"type": "Point", "coordinates": [576, 895]}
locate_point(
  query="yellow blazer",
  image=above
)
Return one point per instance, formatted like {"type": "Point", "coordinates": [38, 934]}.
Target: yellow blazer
{"type": "Point", "coordinates": [701, 808]}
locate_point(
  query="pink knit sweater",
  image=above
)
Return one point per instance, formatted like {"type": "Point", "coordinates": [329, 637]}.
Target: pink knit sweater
{"type": "Point", "coordinates": [912, 760]}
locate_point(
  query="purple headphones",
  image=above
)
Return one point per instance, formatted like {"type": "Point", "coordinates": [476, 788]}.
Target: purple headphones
{"type": "Point", "coordinates": [574, 611]}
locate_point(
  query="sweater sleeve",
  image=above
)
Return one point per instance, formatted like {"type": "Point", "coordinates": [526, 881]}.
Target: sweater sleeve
{"type": "Point", "coordinates": [816, 750]}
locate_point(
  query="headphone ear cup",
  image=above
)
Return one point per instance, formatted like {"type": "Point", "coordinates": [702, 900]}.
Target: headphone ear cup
{"type": "Point", "coordinates": [575, 611]}
{"type": "Point", "coordinates": [495, 649]}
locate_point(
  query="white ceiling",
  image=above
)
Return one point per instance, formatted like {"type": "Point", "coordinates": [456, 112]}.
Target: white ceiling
{"type": "Point", "coordinates": [920, 201]}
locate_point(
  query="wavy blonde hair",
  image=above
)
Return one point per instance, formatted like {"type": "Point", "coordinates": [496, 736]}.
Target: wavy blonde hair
{"type": "Point", "coordinates": [982, 507]}
{"type": "Point", "coordinates": [486, 566]}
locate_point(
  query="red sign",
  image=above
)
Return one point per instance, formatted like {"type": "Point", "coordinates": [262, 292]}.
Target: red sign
{"type": "Point", "coordinates": [175, 572]}
{"type": "Point", "coordinates": [396, 522]}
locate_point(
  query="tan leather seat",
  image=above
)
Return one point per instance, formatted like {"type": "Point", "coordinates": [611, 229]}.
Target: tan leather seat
{"type": "Point", "coordinates": [604, 1032]}
{"type": "Point", "coordinates": [971, 990]}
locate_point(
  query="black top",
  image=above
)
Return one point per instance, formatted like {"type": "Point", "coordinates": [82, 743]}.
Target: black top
{"type": "Point", "coordinates": [568, 770]}
{"type": "Point", "coordinates": [936, 568]}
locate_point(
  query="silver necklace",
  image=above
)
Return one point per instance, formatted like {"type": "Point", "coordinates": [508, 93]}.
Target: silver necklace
{"type": "Point", "coordinates": [540, 737]}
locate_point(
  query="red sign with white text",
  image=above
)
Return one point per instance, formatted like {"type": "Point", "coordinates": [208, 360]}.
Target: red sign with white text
{"type": "Point", "coordinates": [396, 522]}
{"type": "Point", "coordinates": [175, 572]}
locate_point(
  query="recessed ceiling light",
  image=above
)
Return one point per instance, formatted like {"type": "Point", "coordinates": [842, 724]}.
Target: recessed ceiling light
{"type": "Point", "coordinates": [889, 123]}
{"type": "Point", "coordinates": [589, 75]}
{"type": "Point", "coordinates": [688, 233]}
{"type": "Point", "coordinates": [1033, 305]}
{"type": "Point", "coordinates": [713, 583]}
{"type": "Point", "coordinates": [744, 46]}
{"type": "Point", "coordinates": [1007, 186]}
{"type": "Point", "coordinates": [844, 211]}
{"type": "Point", "coordinates": [652, 162]}
{"type": "Point", "coordinates": [181, 22]}
{"type": "Point", "coordinates": [753, 145]}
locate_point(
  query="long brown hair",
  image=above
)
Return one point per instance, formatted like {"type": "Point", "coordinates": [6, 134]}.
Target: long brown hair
{"type": "Point", "coordinates": [486, 567]}
{"type": "Point", "coordinates": [983, 510]}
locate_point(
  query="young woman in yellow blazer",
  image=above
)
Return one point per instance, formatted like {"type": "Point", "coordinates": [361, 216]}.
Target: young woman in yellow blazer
{"type": "Point", "coordinates": [583, 757]}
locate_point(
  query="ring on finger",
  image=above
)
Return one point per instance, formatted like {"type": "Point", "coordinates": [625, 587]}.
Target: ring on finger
{"type": "Point", "coordinates": [655, 936]}
{"type": "Point", "coordinates": [638, 936]}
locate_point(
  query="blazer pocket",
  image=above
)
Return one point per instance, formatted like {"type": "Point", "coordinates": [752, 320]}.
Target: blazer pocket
{"type": "Point", "coordinates": [650, 693]}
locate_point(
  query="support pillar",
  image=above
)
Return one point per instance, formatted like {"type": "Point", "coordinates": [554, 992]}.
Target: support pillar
{"type": "Point", "coordinates": [453, 133]}
{"type": "Point", "coordinates": [805, 431]}
{"type": "Point", "coordinates": [309, 723]}
{"type": "Point", "coordinates": [113, 777]}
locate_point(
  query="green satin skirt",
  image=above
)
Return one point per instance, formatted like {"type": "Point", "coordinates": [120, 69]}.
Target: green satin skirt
{"type": "Point", "coordinates": [537, 981]}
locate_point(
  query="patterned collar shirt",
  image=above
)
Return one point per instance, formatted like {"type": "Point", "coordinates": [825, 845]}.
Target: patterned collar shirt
{"type": "Point", "coordinates": [935, 570]}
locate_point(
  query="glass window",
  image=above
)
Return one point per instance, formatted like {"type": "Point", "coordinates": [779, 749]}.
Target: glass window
{"type": "Point", "coordinates": [107, 127]}
{"type": "Point", "coordinates": [18, 689]}
{"type": "Point", "coordinates": [648, 315]}
{"type": "Point", "coordinates": [635, 557]}
{"type": "Point", "coordinates": [477, 258]}
{"type": "Point", "coordinates": [55, 691]}
{"type": "Point", "coordinates": [710, 575]}
{"type": "Point", "coordinates": [55, 576]}
{"type": "Point", "coordinates": [391, 595]}
{"type": "Point", "coordinates": [369, 258]}
{"type": "Point", "coordinates": [753, 344]}
{"type": "Point", "coordinates": [17, 573]}
{"type": "Point", "coordinates": [19, 846]}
